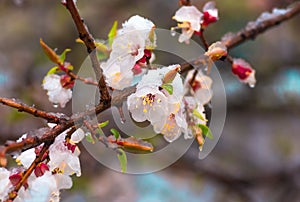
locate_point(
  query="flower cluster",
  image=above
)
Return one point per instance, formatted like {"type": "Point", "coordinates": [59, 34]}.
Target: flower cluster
{"type": "Point", "coordinates": [131, 49]}
{"type": "Point", "coordinates": [160, 98]}
{"type": "Point", "coordinates": [191, 20]}
{"type": "Point", "coordinates": [52, 173]}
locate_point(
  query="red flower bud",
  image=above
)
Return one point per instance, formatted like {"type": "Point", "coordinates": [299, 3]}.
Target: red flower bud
{"type": "Point", "coordinates": [66, 81]}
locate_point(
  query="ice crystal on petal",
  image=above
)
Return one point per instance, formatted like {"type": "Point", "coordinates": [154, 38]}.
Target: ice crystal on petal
{"type": "Point", "coordinates": [56, 93]}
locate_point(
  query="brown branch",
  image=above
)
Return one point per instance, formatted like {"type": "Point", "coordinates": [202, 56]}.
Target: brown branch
{"type": "Point", "coordinates": [84, 80]}
{"type": "Point", "coordinates": [203, 39]}
{"type": "Point", "coordinates": [63, 124]}
{"type": "Point", "coordinates": [21, 107]}
{"type": "Point", "coordinates": [247, 33]}
{"type": "Point", "coordinates": [89, 42]}
{"type": "Point", "coordinates": [250, 33]}
{"type": "Point", "coordinates": [122, 95]}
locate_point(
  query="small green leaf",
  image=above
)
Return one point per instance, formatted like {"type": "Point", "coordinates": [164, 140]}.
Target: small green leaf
{"type": "Point", "coordinates": [53, 70]}
{"type": "Point", "coordinates": [197, 114]}
{"type": "Point", "coordinates": [62, 57]}
{"type": "Point", "coordinates": [89, 138]}
{"type": "Point", "coordinates": [115, 133]}
{"type": "Point", "coordinates": [103, 124]}
{"type": "Point", "coordinates": [168, 87]}
{"type": "Point", "coordinates": [123, 160]}
{"type": "Point", "coordinates": [112, 33]}
{"type": "Point", "coordinates": [206, 131]}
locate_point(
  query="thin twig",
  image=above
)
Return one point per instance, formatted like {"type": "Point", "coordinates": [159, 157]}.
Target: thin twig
{"type": "Point", "coordinates": [122, 95]}
{"type": "Point", "coordinates": [203, 39]}
{"type": "Point", "coordinates": [89, 42]}
{"type": "Point", "coordinates": [21, 107]}
{"type": "Point", "coordinates": [246, 34]}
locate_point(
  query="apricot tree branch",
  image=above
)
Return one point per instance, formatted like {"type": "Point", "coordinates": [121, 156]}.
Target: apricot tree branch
{"type": "Point", "coordinates": [240, 37]}
{"type": "Point", "coordinates": [21, 107]}
{"type": "Point", "coordinates": [89, 42]}
{"type": "Point", "coordinates": [14, 193]}
{"type": "Point", "coordinates": [252, 32]}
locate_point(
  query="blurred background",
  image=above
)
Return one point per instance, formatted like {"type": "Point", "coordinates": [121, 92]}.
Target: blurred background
{"type": "Point", "coordinates": [257, 157]}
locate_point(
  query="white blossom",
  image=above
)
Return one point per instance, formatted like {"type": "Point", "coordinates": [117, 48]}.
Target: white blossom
{"type": "Point", "coordinates": [189, 18]}
{"type": "Point", "coordinates": [175, 125]}
{"type": "Point", "coordinates": [26, 158]}
{"type": "Point", "coordinates": [200, 88]}
{"type": "Point", "coordinates": [5, 184]}
{"type": "Point", "coordinates": [153, 103]}
{"type": "Point", "coordinates": [44, 188]}
{"type": "Point", "coordinates": [56, 93]}
{"type": "Point", "coordinates": [210, 13]}
{"type": "Point", "coordinates": [62, 158]}
{"type": "Point", "coordinates": [127, 48]}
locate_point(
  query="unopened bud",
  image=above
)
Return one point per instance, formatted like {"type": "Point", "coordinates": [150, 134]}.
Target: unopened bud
{"type": "Point", "coordinates": [170, 76]}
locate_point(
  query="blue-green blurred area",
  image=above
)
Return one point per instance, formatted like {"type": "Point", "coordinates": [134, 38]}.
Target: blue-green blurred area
{"type": "Point", "coordinates": [261, 134]}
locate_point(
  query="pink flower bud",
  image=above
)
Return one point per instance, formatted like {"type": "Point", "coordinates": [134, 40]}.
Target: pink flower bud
{"type": "Point", "coordinates": [244, 71]}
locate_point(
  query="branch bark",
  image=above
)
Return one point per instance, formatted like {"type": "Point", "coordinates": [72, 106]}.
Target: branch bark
{"type": "Point", "coordinates": [89, 42]}
{"type": "Point", "coordinates": [21, 107]}
{"type": "Point", "coordinates": [247, 33]}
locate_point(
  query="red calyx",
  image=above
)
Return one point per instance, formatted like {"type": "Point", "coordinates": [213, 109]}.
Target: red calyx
{"type": "Point", "coordinates": [195, 85]}
{"type": "Point", "coordinates": [240, 71]}
{"type": "Point", "coordinates": [207, 19]}
{"type": "Point", "coordinates": [70, 146]}
{"type": "Point", "coordinates": [40, 169]}
{"type": "Point", "coordinates": [66, 81]}
{"type": "Point", "coordinates": [16, 178]}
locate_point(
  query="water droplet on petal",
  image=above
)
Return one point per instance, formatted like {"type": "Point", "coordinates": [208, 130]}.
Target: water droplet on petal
{"type": "Point", "coordinates": [173, 32]}
{"type": "Point", "coordinates": [252, 85]}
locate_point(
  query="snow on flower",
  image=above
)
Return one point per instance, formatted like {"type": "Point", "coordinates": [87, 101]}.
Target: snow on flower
{"type": "Point", "coordinates": [129, 48]}
{"type": "Point", "coordinates": [210, 13]}
{"type": "Point", "coordinates": [200, 88]}
{"type": "Point", "coordinates": [5, 184]}
{"type": "Point", "coordinates": [243, 71]}
{"type": "Point", "coordinates": [189, 18]}
{"type": "Point", "coordinates": [56, 93]}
